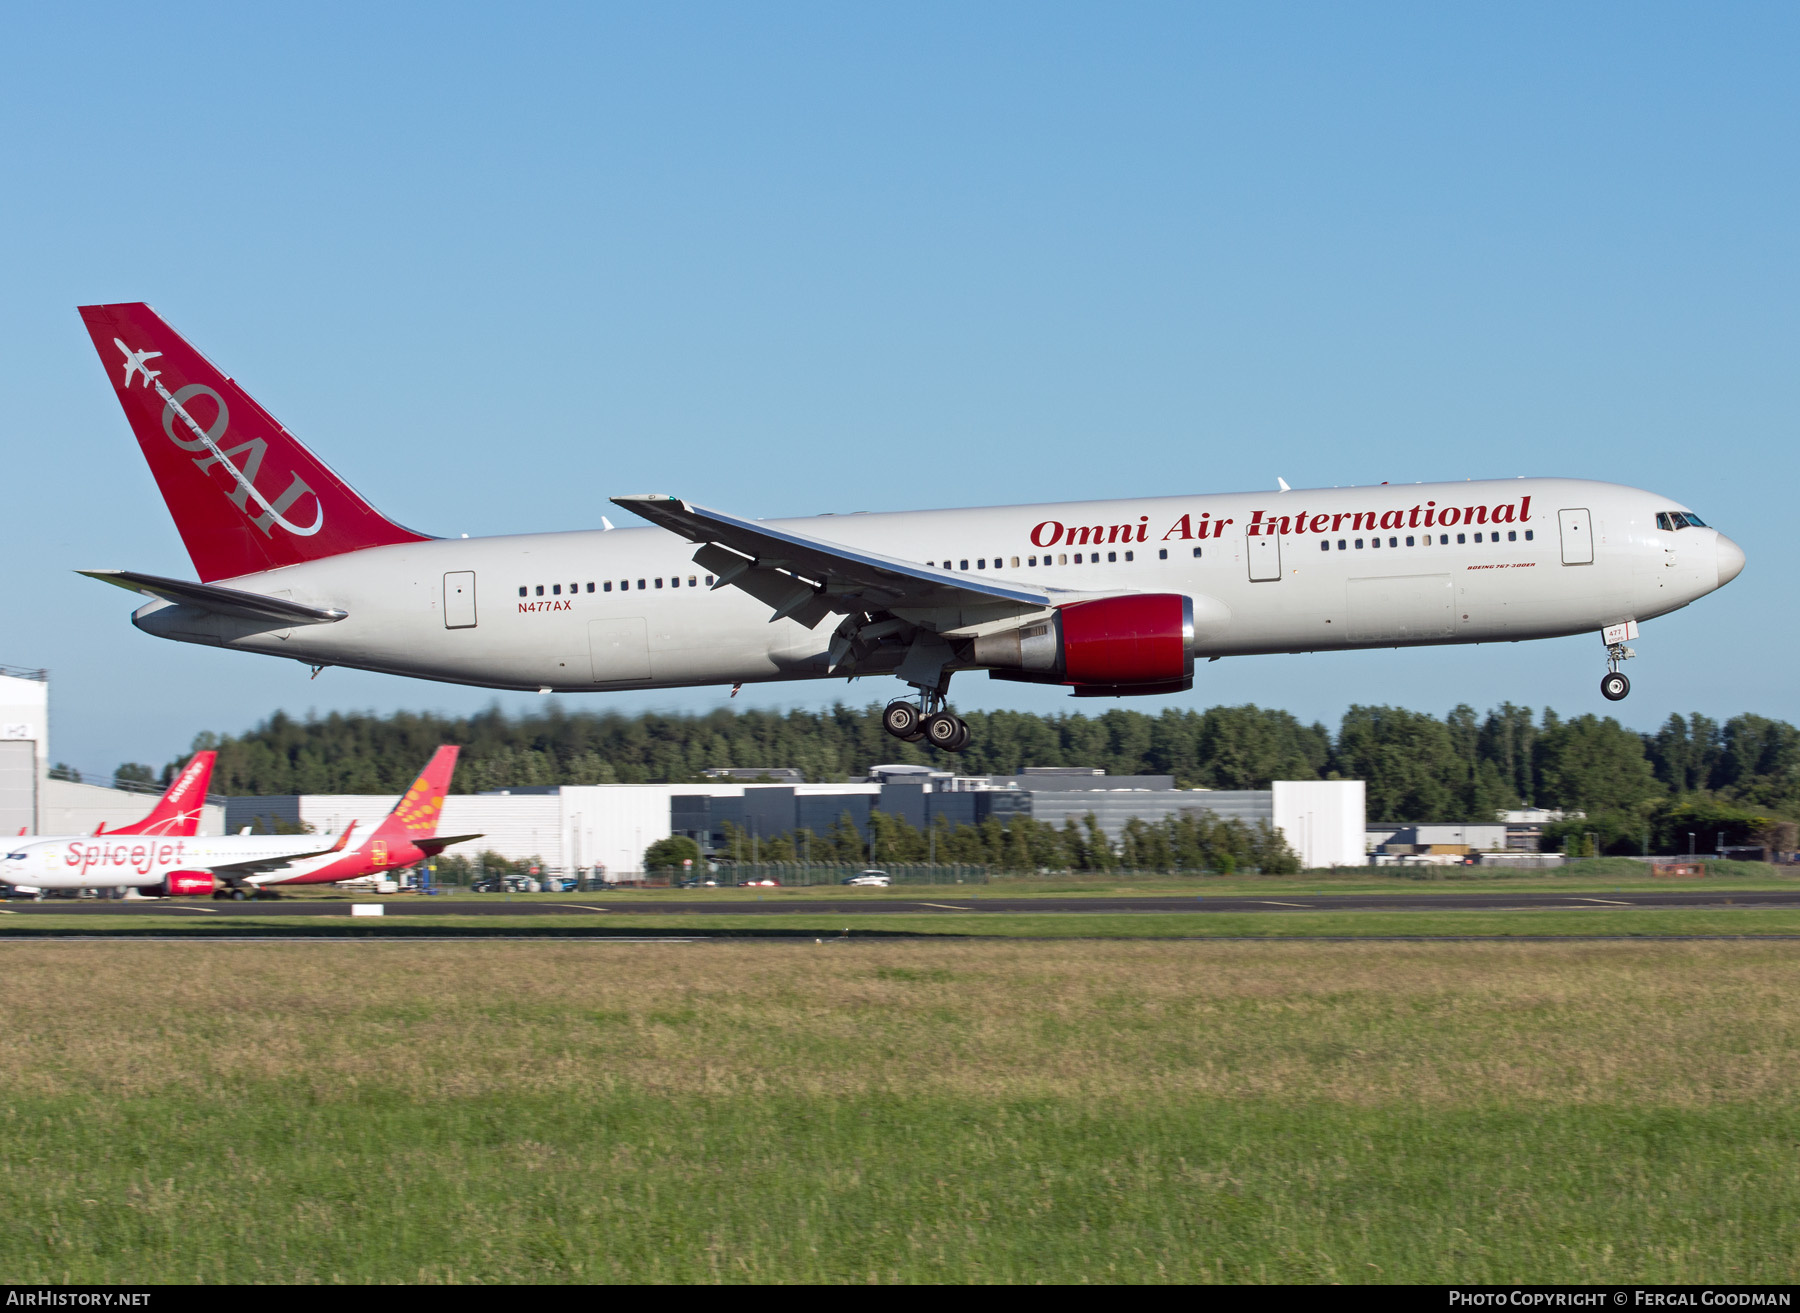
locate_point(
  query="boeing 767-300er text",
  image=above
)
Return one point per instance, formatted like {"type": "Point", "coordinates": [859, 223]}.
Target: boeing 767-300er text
{"type": "Point", "coordinates": [1107, 598]}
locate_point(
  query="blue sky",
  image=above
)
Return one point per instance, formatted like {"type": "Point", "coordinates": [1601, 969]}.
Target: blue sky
{"type": "Point", "coordinates": [498, 263]}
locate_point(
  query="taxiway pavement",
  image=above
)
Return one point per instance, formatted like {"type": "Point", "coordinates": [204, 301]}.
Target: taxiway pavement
{"type": "Point", "coordinates": [788, 905]}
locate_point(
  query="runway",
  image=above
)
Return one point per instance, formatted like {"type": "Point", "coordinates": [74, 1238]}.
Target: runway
{"type": "Point", "coordinates": [783, 905]}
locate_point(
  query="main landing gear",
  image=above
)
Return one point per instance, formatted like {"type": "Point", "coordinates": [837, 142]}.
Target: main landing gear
{"type": "Point", "coordinates": [928, 721]}
{"type": "Point", "coordinates": [1613, 685]}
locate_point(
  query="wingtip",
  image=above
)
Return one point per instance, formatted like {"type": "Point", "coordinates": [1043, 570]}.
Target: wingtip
{"type": "Point", "coordinates": [114, 577]}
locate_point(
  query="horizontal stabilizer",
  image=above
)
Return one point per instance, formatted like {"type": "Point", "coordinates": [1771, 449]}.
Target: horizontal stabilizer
{"type": "Point", "coordinates": [221, 601]}
{"type": "Point", "coordinates": [435, 845]}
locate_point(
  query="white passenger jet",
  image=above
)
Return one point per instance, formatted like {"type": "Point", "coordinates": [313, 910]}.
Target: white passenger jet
{"type": "Point", "coordinates": [1106, 598]}
{"type": "Point", "coordinates": [159, 864]}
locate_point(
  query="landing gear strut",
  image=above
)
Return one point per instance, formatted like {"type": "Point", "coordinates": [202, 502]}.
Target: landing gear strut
{"type": "Point", "coordinates": [928, 721]}
{"type": "Point", "coordinates": [1613, 685]}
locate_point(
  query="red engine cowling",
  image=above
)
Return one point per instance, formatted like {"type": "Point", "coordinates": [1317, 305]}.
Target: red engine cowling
{"type": "Point", "coordinates": [188, 883]}
{"type": "Point", "coordinates": [1138, 643]}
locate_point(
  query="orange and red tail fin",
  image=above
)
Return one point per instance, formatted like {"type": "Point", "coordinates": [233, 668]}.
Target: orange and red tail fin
{"type": "Point", "coordinates": [415, 816]}
{"type": "Point", "coordinates": [177, 812]}
{"type": "Point", "coordinates": [246, 495]}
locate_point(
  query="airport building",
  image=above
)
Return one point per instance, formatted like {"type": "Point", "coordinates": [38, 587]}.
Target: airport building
{"type": "Point", "coordinates": [605, 828]}
{"type": "Point", "coordinates": [33, 803]}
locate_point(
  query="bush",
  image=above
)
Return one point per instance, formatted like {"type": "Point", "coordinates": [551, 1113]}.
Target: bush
{"type": "Point", "coordinates": [671, 852]}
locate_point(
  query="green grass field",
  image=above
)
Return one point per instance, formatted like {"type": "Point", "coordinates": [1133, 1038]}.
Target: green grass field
{"type": "Point", "coordinates": [926, 1110]}
{"type": "Point", "coordinates": [1651, 922]}
{"type": "Point", "coordinates": [1586, 876]}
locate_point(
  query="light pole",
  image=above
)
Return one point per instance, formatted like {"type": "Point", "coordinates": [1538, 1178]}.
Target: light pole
{"type": "Point", "coordinates": [1690, 845]}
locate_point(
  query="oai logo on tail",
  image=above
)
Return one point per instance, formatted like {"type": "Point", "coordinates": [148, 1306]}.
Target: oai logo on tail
{"type": "Point", "coordinates": [208, 439]}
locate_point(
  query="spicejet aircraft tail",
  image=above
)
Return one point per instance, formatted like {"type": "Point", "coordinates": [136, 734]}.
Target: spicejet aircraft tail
{"type": "Point", "coordinates": [406, 835]}
{"type": "Point", "coordinates": [177, 813]}
{"type": "Point", "coordinates": [1105, 598]}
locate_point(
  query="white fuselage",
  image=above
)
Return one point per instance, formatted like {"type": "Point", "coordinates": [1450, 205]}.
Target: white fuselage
{"type": "Point", "coordinates": [132, 861]}
{"type": "Point", "coordinates": [627, 608]}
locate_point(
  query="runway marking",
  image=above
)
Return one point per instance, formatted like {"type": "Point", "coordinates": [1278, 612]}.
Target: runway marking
{"type": "Point", "coordinates": [580, 907]}
{"type": "Point", "coordinates": [1606, 901]}
{"type": "Point", "coordinates": [947, 907]}
{"type": "Point", "coordinates": [1270, 902]}
{"type": "Point", "coordinates": [177, 907]}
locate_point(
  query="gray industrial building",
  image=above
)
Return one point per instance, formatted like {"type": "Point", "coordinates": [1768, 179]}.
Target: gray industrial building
{"type": "Point", "coordinates": [606, 827]}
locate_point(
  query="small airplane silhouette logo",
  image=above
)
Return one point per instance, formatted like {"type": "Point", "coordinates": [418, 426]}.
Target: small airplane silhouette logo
{"type": "Point", "coordinates": [134, 363]}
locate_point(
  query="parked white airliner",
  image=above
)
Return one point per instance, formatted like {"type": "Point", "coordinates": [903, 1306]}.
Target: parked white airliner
{"type": "Point", "coordinates": [160, 863]}
{"type": "Point", "coordinates": [1108, 598]}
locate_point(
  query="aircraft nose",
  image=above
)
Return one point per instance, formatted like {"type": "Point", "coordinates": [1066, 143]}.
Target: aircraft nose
{"type": "Point", "coordinates": [1731, 560]}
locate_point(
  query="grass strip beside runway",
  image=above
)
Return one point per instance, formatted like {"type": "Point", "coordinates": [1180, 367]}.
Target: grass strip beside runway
{"type": "Point", "coordinates": [923, 1111]}
{"type": "Point", "coordinates": [1426, 923]}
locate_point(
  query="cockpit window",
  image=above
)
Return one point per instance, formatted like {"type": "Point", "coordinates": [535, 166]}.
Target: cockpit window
{"type": "Point", "coordinates": [1679, 520]}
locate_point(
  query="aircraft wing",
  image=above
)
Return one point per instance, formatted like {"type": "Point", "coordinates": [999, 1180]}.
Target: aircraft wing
{"type": "Point", "coordinates": [211, 597]}
{"type": "Point", "coordinates": [231, 871]}
{"type": "Point", "coordinates": [807, 577]}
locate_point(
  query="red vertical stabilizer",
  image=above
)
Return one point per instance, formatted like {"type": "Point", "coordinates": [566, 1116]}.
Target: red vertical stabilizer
{"type": "Point", "coordinates": [246, 494]}
{"type": "Point", "coordinates": [177, 812]}
{"type": "Point", "coordinates": [415, 817]}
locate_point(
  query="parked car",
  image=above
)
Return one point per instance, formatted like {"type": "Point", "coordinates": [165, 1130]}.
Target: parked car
{"type": "Point", "coordinates": [870, 879]}
{"type": "Point", "coordinates": [758, 884]}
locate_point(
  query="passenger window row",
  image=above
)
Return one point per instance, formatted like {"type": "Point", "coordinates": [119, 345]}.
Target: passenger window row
{"type": "Point", "coordinates": [606, 586]}
{"type": "Point", "coordinates": [1345, 544]}
{"type": "Point", "coordinates": [1058, 558]}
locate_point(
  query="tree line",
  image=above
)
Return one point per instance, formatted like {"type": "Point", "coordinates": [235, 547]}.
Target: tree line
{"type": "Point", "coordinates": [1693, 775]}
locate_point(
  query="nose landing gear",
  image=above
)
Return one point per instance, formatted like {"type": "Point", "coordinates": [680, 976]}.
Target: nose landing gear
{"type": "Point", "coordinates": [1613, 685]}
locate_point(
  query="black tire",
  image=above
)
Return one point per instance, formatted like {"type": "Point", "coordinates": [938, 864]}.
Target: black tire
{"type": "Point", "coordinates": [902, 720]}
{"type": "Point", "coordinates": [238, 896]}
{"type": "Point", "coordinates": [945, 731]}
{"type": "Point", "coordinates": [963, 735]}
{"type": "Point", "coordinates": [1614, 687]}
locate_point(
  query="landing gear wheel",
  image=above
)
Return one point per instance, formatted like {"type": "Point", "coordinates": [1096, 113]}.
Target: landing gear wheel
{"type": "Point", "coordinates": [1614, 687]}
{"type": "Point", "coordinates": [238, 896]}
{"type": "Point", "coordinates": [945, 731]}
{"type": "Point", "coordinates": [902, 720]}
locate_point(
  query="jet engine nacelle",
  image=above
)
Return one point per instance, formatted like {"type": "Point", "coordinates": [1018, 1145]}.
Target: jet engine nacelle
{"type": "Point", "coordinates": [1138, 643]}
{"type": "Point", "coordinates": [187, 883]}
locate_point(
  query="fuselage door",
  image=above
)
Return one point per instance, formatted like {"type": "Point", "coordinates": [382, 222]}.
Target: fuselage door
{"type": "Point", "coordinates": [1577, 537]}
{"type": "Point", "coordinates": [1265, 558]}
{"type": "Point", "coordinates": [459, 600]}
